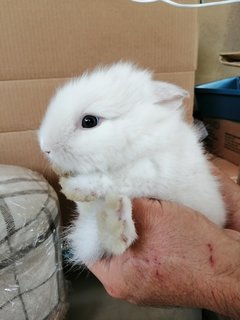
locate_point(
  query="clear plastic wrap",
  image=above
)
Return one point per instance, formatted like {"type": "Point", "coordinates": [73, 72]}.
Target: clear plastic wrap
{"type": "Point", "coordinates": [31, 278]}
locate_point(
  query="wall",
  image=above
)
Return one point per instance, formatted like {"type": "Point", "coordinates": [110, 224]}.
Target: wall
{"type": "Point", "coordinates": [219, 32]}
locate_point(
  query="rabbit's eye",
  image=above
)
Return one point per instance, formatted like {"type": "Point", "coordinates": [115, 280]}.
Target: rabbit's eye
{"type": "Point", "coordinates": [89, 121]}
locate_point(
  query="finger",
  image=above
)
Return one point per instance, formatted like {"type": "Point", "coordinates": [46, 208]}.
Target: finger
{"type": "Point", "coordinates": [106, 269]}
{"type": "Point", "coordinates": [109, 273]}
{"type": "Point", "coordinates": [233, 234]}
{"type": "Point", "coordinates": [100, 269]}
{"type": "Point", "coordinates": [145, 211]}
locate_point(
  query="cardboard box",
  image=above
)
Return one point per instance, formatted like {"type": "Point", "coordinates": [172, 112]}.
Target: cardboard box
{"type": "Point", "coordinates": [224, 139]}
{"type": "Point", "coordinates": [43, 43]}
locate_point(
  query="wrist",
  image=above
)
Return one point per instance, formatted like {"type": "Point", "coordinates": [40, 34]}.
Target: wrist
{"type": "Point", "coordinates": [220, 290]}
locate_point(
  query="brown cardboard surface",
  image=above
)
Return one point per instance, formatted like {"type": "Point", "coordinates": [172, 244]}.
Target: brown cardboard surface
{"type": "Point", "coordinates": [224, 139]}
{"type": "Point", "coordinates": [58, 38]}
{"type": "Point", "coordinates": [21, 148]}
{"type": "Point", "coordinates": [23, 102]}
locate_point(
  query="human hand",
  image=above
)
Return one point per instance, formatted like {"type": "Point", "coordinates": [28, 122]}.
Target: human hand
{"type": "Point", "coordinates": [180, 258]}
{"type": "Point", "coordinates": [231, 194]}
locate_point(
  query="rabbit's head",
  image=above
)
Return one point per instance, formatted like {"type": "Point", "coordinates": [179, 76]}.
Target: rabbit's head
{"type": "Point", "coordinates": [108, 118]}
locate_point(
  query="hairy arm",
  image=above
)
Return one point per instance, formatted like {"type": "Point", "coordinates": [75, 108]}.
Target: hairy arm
{"type": "Point", "coordinates": [180, 258]}
{"type": "Point", "coordinates": [231, 194]}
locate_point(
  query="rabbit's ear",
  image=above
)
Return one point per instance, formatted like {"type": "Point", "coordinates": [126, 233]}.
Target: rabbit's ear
{"type": "Point", "coordinates": [169, 94]}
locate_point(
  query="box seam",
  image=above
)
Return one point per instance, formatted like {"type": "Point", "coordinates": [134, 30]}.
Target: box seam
{"type": "Point", "coordinates": [76, 76]}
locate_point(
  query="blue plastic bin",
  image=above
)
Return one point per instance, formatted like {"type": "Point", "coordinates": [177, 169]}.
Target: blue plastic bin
{"type": "Point", "coordinates": [219, 99]}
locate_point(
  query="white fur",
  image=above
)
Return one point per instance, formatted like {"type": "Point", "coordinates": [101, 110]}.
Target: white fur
{"type": "Point", "coordinates": [141, 148]}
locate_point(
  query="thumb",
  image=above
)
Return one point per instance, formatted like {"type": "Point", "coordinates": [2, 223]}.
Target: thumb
{"type": "Point", "coordinates": [235, 235]}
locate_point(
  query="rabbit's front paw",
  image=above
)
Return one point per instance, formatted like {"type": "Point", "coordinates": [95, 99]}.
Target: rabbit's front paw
{"type": "Point", "coordinates": [72, 190]}
{"type": "Point", "coordinates": [117, 230]}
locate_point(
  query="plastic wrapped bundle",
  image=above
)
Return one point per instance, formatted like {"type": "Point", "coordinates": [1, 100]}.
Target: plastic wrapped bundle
{"type": "Point", "coordinates": [31, 280]}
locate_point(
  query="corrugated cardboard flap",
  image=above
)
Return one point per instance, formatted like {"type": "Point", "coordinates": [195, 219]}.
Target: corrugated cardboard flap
{"type": "Point", "coordinates": [60, 39]}
{"type": "Point", "coordinates": [231, 59]}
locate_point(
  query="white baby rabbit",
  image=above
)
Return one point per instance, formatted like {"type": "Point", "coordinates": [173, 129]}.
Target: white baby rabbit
{"type": "Point", "coordinates": [122, 136]}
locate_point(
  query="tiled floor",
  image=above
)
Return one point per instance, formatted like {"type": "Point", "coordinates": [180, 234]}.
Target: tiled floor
{"type": "Point", "coordinates": [89, 301]}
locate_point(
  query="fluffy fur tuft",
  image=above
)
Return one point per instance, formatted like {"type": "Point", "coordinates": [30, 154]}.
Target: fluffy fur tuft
{"type": "Point", "coordinates": [142, 147]}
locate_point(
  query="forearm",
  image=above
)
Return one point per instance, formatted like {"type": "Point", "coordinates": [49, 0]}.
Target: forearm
{"type": "Point", "coordinates": [220, 291]}
{"type": "Point", "coordinates": [213, 283]}
{"type": "Point", "coordinates": [222, 296]}
{"type": "Point", "coordinates": [231, 193]}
